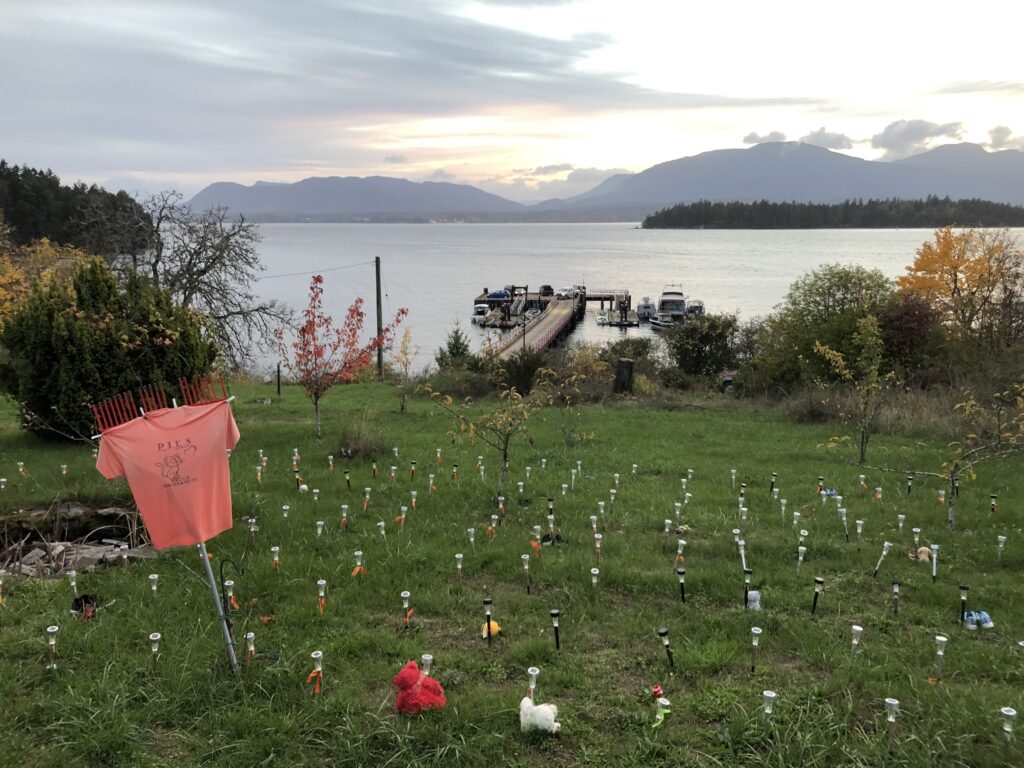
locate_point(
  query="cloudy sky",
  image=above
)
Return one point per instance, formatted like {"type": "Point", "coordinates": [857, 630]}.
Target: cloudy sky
{"type": "Point", "coordinates": [529, 99]}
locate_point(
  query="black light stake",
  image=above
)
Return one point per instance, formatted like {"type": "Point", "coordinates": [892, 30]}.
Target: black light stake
{"type": "Point", "coordinates": [663, 634]}
{"type": "Point", "coordinates": [818, 583]}
{"type": "Point", "coordinates": [488, 602]}
{"type": "Point", "coordinates": [746, 586]}
{"type": "Point", "coordinates": [681, 573]}
{"type": "Point", "coordinates": [963, 602]}
{"type": "Point", "coordinates": [910, 483]}
{"type": "Point", "coordinates": [554, 623]}
{"type": "Point", "coordinates": [895, 597]}
{"type": "Point", "coordinates": [771, 488]}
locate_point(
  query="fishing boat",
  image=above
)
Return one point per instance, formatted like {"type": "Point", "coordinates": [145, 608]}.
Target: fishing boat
{"type": "Point", "coordinates": [602, 317]}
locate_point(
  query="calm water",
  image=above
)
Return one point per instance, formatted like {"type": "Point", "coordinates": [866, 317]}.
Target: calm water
{"type": "Point", "coordinates": [436, 270]}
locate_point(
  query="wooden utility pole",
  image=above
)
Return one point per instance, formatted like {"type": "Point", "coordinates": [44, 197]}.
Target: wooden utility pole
{"type": "Point", "coordinates": [380, 320]}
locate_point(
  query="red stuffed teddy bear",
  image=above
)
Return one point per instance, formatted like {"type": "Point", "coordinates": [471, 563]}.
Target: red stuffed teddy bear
{"type": "Point", "coordinates": [417, 691]}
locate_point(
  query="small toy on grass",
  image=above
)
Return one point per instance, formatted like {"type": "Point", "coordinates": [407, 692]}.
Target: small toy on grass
{"type": "Point", "coordinates": [538, 717]}
{"type": "Point", "coordinates": [417, 691]}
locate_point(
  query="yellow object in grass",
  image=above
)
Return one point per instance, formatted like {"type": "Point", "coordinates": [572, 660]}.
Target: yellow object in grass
{"type": "Point", "coordinates": [495, 629]}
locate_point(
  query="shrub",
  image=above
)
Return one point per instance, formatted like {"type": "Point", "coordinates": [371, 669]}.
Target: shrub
{"type": "Point", "coordinates": [69, 345]}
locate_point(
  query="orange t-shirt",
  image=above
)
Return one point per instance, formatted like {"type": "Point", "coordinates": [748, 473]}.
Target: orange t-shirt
{"type": "Point", "coordinates": [176, 464]}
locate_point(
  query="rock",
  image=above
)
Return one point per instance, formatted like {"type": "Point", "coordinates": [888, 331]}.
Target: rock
{"type": "Point", "coordinates": [71, 511]}
{"type": "Point", "coordinates": [112, 512]}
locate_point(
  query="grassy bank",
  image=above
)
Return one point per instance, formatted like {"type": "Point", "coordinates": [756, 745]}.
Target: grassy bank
{"type": "Point", "coordinates": [106, 706]}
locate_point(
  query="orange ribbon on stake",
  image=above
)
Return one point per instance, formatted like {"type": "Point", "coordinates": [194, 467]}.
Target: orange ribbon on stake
{"type": "Point", "coordinates": [234, 604]}
{"type": "Point", "coordinates": [408, 615]}
{"type": "Point", "coordinates": [321, 603]}
{"type": "Point", "coordinates": [359, 570]}
{"type": "Point", "coordinates": [316, 678]}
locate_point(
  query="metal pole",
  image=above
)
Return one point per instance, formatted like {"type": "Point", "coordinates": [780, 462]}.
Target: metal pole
{"type": "Point", "coordinates": [220, 609]}
{"type": "Point", "coordinates": [380, 319]}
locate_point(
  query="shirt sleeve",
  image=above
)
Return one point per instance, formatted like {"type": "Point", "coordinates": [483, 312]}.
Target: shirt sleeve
{"type": "Point", "coordinates": [231, 434]}
{"type": "Point", "coordinates": [108, 462]}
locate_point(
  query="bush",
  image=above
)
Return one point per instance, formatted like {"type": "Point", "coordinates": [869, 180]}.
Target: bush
{"type": "Point", "coordinates": [76, 343]}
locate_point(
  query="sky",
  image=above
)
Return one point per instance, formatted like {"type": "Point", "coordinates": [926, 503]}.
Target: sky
{"type": "Point", "coordinates": [528, 99]}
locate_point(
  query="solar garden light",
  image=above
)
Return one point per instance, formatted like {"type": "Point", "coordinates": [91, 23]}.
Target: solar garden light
{"type": "Point", "coordinates": [743, 492]}
{"type": "Point", "coordinates": [284, 511]}
{"type": "Point", "coordinates": [275, 554]}
{"type": "Point", "coordinates": [51, 641]}
{"type": "Point", "coordinates": [892, 706]}
{"type": "Point", "coordinates": [532, 672]}
{"type": "Point", "coordinates": [940, 652]}
{"type": "Point", "coordinates": [635, 467]}
{"type": "Point", "coordinates": [565, 489]}
{"type": "Point", "coordinates": [839, 501]}
{"type": "Point", "coordinates": [863, 484]}
{"type": "Point", "coordinates": [543, 464]}
{"type": "Point", "coordinates": [593, 522]}
{"type": "Point", "coordinates": [681, 573]}
{"type": "Point", "coordinates": [782, 504]}
{"type": "Point", "coordinates": [769, 704]}
{"type": "Point", "coordinates": [682, 483]}
{"type": "Point", "coordinates": [942, 498]}
{"type": "Point", "coordinates": [455, 471]}
{"type": "Point", "coordinates": [316, 495]}
{"type": "Point", "coordinates": [383, 533]}
{"type": "Point", "coordinates": [992, 499]}
{"type": "Point", "coordinates": [458, 563]}
{"type": "Point", "coordinates": [886, 546]}
{"type": "Point", "coordinates": [412, 469]}
{"type": "Point", "coordinates": [426, 662]}
{"type": "Point", "coordinates": [321, 595]}
{"type": "Point", "coordinates": [153, 579]}
{"type": "Point", "coordinates": [686, 498]}
{"type": "Point", "coordinates": [755, 638]}
{"type": "Point", "coordinates": [344, 517]}
{"type": "Point", "coordinates": [263, 462]}
{"type": "Point", "coordinates": [572, 478]}
{"type": "Point", "coordinates": [615, 477]}
{"type": "Point", "coordinates": [819, 582]}
{"type": "Point", "coordinates": [800, 552]}
{"type": "Point", "coordinates": [824, 496]}
{"type": "Point", "coordinates": [394, 473]}
{"type": "Point", "coordinates": [259, 474]}
{"type": "Point", "coordinates": [860, 532]}
{"type": "Point", "coordinates": [359, 569]}
{"type": "Point", "coordinates": [900, 519]}
{"type": "Point", "coordinates": [743, 513]}
{"type": "Point", "coordinates": [668, 525]}
{"type": "Point", "coordinates": [855, 633]}
{"type": "Point", "coordinates": [330, 462]}
{"type": "Point", "coordinates": [536, 536]}
{"type": "Point", "coordinates": [796, 518]}
{"type": "Point", "coordinates": [746, 586]}
{"type": "Point", "coordinates": [594, 573]}
{"type": "Point", "coordinates": [741, 545]}
{"type": "Point", "coordinates": [250, 646]}
{"type": "Point", "coordinates": [910, 483]}
{"type": "Point", "coordinates": [680, 547]}
{"type": "Point", "coordinates": [771, 488]}
{"type": "Point", "coordinates": [319, 528]}
{"type": "Point", "coordinates": [431, 485]}
{"type": "Point", "coordinates": [663, 634]}
{"type": "Point", "coordinates": [963, 602]}
{"type": "Point", "coordinates": [1008, 715]}
{"type": "Point", "coordinates": [579, 467]}
{"type": "Point", "coordinates": [366, 498]}
{"type": "Point", "coordinates": [471, 532]}
{"type": "Point", "coordinates": [154, 647]}
{"type": "Point", "coordinates": [488, 602]}
{"type": "Point", "coordinates": [551, 526]}
{"type": "Point", "coordinates": [935, 561]}
{"type": "Point", "coordinates": [554, 625]}
{"type": "Point", "coordinates": [494, 524]}
{"type": "Point", "coordinates": [520, 485]}
{"type": "Point", "coordinates": [736, 538]}
{"type": "Point", "coordinates": [600, 508]}
{"type": "Point", "coordinates": [124, 554]}
{"type": "Point", "coordinates": [21, 468]}
{"type": "Point", "coordinates": [405, 595]}
{"type": "Point", "coordinates": [526, 571]}
{"type": "Point", "coordinates": [1000, 543]}
{"type": "Point", "coordinates": [64, 470]}
{"type": "Point", "coordinates": [803, 536]}
{"type": "Point", "coordinates": [846, 528]}
{"type": "Point", "coordinates": [482, 471]}
{"type": "Point", "coordinates": [775, 495]}
{"type": "Point", "coordinates": [917, 536]}
{"type": "Point", "coordinates": [317, 675]}
{"type": "Point", "coordinates": [689, 474]}
{"type": "Point", "coordinates": [597, 545]}
{"type": "Point", "coordinates": [732, 474]}
{"type": "Point", "coordinates": [412, 499]}
{"type": "Point", "coordinates": [821, 484]}
{"type": "Point", "coordinates": [73, 582]}
{"type": "Point", "coordinates": [229, 595]}
{"type": "Point", "coordinates": [895, 597]}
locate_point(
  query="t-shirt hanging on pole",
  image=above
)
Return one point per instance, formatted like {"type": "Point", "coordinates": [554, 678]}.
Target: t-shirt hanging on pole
{"type": "Point", "coordinates": [176, 464]}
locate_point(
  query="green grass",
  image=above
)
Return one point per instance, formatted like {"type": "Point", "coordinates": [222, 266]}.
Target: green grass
{"type": "Point", "coordinates": [105, 706]}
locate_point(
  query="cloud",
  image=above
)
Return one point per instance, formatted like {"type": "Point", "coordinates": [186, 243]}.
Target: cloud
{"type": "Point", "coordinates": [984, 86]}
{"type": "Point", "coordinates": [909, 137]}
{"type": "Point", "coordinates": [294, 88]}
{"type": "Point", "coordinates": [545, 170]}
{"type": "Point", "coordinates": [396, 159]}
{"type": "Point", "coordinates": [828, 139]}
{"type": "Point", "coordinates": [441, 175]}
{"type": "Point", "coordinates": [1002, 137]}
{"type": "Point", "coordinates": [756, 138]}
{"type": "Point", "coordinates": [528, 189]}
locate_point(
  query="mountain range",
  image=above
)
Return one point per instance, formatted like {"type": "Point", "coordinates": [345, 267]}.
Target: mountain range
{"type": "Point", "coordinates": [774, 171]}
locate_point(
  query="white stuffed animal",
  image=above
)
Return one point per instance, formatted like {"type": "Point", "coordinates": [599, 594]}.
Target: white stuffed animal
{"type": "Point", "coordinates": [538, 717]}
{"type": "Point", "coordinates": [753, 600]}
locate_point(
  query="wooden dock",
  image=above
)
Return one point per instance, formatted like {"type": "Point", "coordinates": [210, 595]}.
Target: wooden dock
{"type": "Point", "coordinates": [557, 319]}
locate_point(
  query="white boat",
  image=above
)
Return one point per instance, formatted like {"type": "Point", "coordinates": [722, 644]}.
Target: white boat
{"type": "Point", "coordinates": [646, 309]}
{"type": "Point", "coordinates": [602, 317]}
{"type": "Point", "coordinates": [479, 313]}
{"type": "Point", "coordinates": [671, 307]}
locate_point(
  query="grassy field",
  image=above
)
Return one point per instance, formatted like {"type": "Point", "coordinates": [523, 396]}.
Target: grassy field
{"type": "Point", "coordinates": [105, 705]}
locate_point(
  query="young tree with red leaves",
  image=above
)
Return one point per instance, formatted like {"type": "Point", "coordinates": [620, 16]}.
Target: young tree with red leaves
{"type": "Point", "coordinates": [322, 355]}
